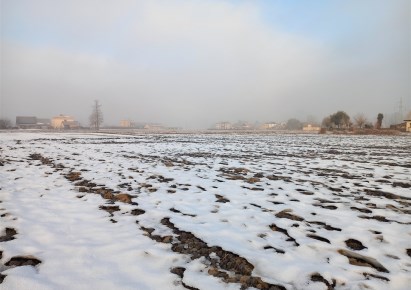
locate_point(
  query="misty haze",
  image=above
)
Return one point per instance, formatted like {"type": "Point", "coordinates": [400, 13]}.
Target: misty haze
{"type": "Point", "coordinates": [191, 64]}
{"type": "Point", "coordinates": [213, 144]}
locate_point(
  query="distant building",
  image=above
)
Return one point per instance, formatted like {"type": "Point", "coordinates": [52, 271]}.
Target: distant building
{"type": "Point", "coordinates": [311, 128]}
{"type": "Point", "coordinates": [407, 125]}
{"type": "Point", "coordinates": [268, 126]}
{"type": "Point", "coordinates": [399, 127]}
{"type": "Point", "coordinates": [31, 122]}
{"type": "Point", "coordinates": [43, 121]}
{"type": "Point", "coordinates": [242, 126]}
{"type": "Point", "coordinates": [272, 126]}
{"type": "Point", "coordinates": [127, 124]}
{"type": "Point", "coordinates": [153, 126]}
{"type": "Point", "coordinates": [404, 127]}
{"type": "Point", "coordinates": [224, 126]}
{"type": "Point", "coordinates": [26, 122]}
{"type": "Point", "coordinates": [64, 122]}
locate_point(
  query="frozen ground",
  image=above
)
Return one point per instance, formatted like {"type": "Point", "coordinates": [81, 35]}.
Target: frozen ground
{"type": "Point", "coordinates": [204, 212]}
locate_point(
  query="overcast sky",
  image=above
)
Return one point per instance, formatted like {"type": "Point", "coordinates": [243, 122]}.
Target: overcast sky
{"type": "Point", "coordinates": [193, 63]}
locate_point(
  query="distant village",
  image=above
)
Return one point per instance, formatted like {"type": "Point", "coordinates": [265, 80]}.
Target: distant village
{"type": "Point", "coordinates": [336, 122]}
{"type": "Point", "coordinates": [66, 122]}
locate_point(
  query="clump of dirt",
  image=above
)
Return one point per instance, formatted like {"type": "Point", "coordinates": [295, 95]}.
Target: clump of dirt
{"type": "Point", "coordinates": [235, 177]}
{"type": "Point", "coordinates": [319, 238]}
{"type": "Point", "coordinates": [73, 176]}
{"type": "Point", "coordinates": [110, 208]}
{"type": "Point", "coordinates": [123, 197]}
{"type": "Point", "coordinates": [237, 173]}
{"type": "Point", "coordinates": [160, 178]}
{"type": "Point", "coordinates": [156, 238]}
{"type": "Point", "coordinates": [275, 228]}
{"type": "Point", "coordinates": [85, 183]}
{"type": "Point", "coordinates": [168, 163]}
{"type": "Point", "coordinates": [363, 210]}
{"type": "Point", "coordinates": [364, 261]}
{"type": "Point", "coordinates": [23, 261]}
{"type": "Point", "coordinates": [325, 226]}
{"type": "Point", "coordinates": [287, 215]}
{"type": "Point", "coordinates": [401, 184]}
{"type": "Point", "coordinates": [2, 277]}
{"type": "Point", "coordinates": [331, 207]}
{"type": "Point", "coordinates": [368, 275]}
{"type": "Point", "coordinates": [235, 170]}
{"type": "Point", "coordinates": [185, 214]}
{"type": "Point", "coordinates": [379, 218]}
{"type": "Point", "coordinates": [221, 199]}
{"type": "Point", "coordinates": [43, 160]}
{"type": "Point", "coordinates": [279, 251]}
{"type": "Point", "coordinates": [253, 180]}
{"type": "Point", "coordinates": [187, 243]}
{"type": "Point", "coordinates": [318, 278]}
{"type": "Point", "coordinates": [106, 194]}
{"type": "Point", "coordinates": [278, 177]}
{"type": "Point", "coordinates": [354, 244]}
{"type": "Point", "coordinates": [305, 192]}
{"type": "Point", "coordinates": [137, 211]}
{"type": "Point", "coordinates": [179, 271]}
{"type": "Point", "coordinates": [388, 195]}
{"type": "Point", "coordinates": [8, 235]}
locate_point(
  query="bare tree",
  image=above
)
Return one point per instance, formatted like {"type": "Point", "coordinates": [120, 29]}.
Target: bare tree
{"type": "Point", "coordinates": [96, 117]}
{"type": "Point", "coordinates": [360, 120]}
{"type": "Point", "coordinates": [5, 124]}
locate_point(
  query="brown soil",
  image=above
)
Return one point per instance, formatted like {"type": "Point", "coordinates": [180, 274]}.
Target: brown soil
{"type": "Point", "coordinates": [284, 231]}
{"type": "Point", "coordinates": [187, 243]}
{"type": "Point", "coordinates": [285, 214]}
{"type": "Point", "coordinates": [354, 244]}
{"type": "Point", "coordinates": [8, 235]}
{"type": "Point", "coordinates": [360, 260]}
{"type": "Point", "coordinates": [23, 261]}
{"type": "Point", "coordinates": [322, 239]}
{"type": "Point", "coordinates": [318, 278]}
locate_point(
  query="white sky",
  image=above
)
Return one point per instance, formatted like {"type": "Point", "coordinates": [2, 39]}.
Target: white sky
{"type": "Point", "coordinates": [193, 63]}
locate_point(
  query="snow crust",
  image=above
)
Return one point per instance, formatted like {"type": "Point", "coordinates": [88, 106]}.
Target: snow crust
{"type": "Point", "coordinates": [319, 179]}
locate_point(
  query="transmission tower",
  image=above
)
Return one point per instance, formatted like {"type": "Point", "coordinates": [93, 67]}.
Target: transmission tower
{"type": "Point", "coordinates": [401, 111]}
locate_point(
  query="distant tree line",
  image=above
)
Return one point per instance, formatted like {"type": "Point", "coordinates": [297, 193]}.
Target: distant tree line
{"type": "Point", "coordinates": [341, 120]}
{"type": "Point", "coordinates": [5, 124]}
{"type": "Point", "coordinates": [338, 120]}
{"type": "Point", "coordinates": [294, 124]}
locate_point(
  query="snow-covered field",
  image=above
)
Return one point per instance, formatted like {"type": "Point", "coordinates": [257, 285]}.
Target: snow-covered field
{"type": "Point", "coordinates": [204, 211]}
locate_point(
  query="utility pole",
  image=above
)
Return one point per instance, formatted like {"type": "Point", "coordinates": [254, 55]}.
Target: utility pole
{"type": "Point", "coordinates": [401, 112]}
{"type": "Point", "coordinates": [97, 110]}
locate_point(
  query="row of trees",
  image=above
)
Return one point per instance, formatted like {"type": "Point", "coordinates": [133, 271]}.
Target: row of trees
{"type": "Point", "coordinates": [341, 120]}
{"type": "Point", "coordinates": [5, 124]}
